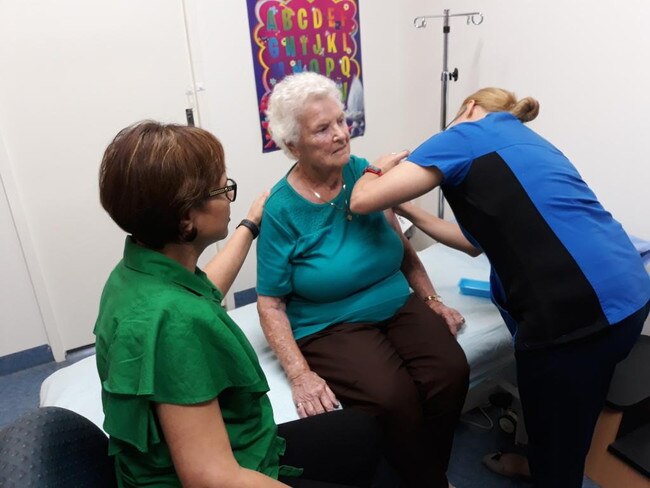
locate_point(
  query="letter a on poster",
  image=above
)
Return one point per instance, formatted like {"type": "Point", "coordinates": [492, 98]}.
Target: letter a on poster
{"type": "Point", "coordinates": [290, 36]}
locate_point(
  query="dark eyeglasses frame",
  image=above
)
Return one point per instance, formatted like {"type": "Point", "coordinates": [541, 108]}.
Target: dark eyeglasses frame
{"type": "Point", "coordinates": [231, 186]}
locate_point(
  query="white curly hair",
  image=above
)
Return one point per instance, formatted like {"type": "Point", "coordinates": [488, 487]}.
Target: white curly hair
{"type": "Point", "coordinates": [287, 100]}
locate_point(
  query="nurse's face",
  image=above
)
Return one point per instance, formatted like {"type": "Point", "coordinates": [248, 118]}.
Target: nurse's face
{"type": "Point", "coordinates": [471, 113]}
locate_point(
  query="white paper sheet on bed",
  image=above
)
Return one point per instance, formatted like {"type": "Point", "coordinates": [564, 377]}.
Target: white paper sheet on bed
{"type": "Point", "coordinates": [485, 340]}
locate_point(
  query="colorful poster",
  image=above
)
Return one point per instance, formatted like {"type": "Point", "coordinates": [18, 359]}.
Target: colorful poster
{"type": "Point", "coordinates": [290, 36]}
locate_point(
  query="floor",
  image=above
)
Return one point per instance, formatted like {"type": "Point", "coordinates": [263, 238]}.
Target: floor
{"type": "Point", "coordinates": [20, 390]}
{"type": "Point", "coordinates": [20, 393]}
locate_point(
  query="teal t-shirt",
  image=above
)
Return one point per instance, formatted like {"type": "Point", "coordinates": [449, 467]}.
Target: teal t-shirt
{"type": "Point", "coordinates": [331, 266]}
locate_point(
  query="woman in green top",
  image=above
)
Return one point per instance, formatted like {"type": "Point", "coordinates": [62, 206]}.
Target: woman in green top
{"type": "Point", "coordinates": [184, 396]}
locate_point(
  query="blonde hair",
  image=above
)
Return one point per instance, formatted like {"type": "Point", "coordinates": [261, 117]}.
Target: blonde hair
{"type": "Point", "coordinates": [500, 100]}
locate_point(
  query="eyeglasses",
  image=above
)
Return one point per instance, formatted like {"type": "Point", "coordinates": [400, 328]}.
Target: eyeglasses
{"type": "Point", "coordinates": [230, 190]}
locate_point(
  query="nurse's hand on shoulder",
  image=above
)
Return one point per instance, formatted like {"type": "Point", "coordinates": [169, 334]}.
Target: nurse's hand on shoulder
{"type": "Point", "coordinates": [451, 316]}
{"type": "Point", "coordinates": [257, 208]}
{"type": "Point", "coordinates": [311, 395]}
{"type": "Point", "coordinates": [386, 162]}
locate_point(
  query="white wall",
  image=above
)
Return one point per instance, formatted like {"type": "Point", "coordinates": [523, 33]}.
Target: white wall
{"type": "Point", "coordinates": [584, 61]}
{"type": "Point", "coordinates": [22, 326]}
{"type": "Point", "coordinates": [229, 106]}
{"type": "Point", "coordinates": [569, 56]}
{"type": "Point", "coordinates": [24, 304]}
{"type": "Point", "coordinates": [74, 71]}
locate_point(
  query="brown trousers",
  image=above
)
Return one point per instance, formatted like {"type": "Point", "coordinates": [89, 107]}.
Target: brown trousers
{"type": "Point", "coordinates": [410, 373]}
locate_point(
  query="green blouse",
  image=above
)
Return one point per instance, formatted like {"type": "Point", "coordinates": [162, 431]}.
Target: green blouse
{"type": "Point", "coordinates": [163, 337]}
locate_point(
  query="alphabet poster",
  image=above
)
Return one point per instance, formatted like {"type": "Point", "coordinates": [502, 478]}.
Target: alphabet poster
{"type": "Point", "coordinates": [290, 36]}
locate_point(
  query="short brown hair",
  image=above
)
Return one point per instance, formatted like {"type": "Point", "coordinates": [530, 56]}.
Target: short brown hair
{"type": "Point", "coordinates": [152, 174]}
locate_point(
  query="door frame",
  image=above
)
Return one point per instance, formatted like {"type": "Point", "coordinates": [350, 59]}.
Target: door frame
{"type": "Point", "coordinates": [43, 303]}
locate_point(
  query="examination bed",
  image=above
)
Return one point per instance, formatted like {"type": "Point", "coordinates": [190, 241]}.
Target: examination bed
{"type": "Point", "coordinates": [484, 338]}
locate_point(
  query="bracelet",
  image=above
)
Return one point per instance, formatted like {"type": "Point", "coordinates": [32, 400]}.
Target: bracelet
{"type": "Point", "coordinates": [371, 168]}
{"type": "Point", "coordinates": [433, 298]}
{"type": "Point", "coordinates": [250, 225]}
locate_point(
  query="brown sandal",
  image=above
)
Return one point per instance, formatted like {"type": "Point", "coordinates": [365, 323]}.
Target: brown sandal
{"type": "Point", "coordinates": [509, 464]}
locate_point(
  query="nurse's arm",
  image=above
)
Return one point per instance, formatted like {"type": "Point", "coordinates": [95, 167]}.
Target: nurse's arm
{"type": "Point", "coordinates": [399, 184]}
{"type": "Point", "coordinates": [200, 448]}
{"type": "Point", "coordinates": [418, 279]}
{"type": "Point", "coordinates": [443, 231]}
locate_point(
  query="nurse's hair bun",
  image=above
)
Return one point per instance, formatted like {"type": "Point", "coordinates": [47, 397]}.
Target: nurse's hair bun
{"type": "Point", "coordinates": [526, 109]}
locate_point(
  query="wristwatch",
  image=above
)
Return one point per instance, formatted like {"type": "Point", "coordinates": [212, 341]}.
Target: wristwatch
{"type": "Point", "coordinates": [371, 168]}
{"type": "Point", "coordinates": [250, 225]}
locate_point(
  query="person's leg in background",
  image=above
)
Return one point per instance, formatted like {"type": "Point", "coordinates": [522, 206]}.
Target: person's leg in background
{"type": "Point", "coordinates": [438, 366]}
{"type": "Point", "coordinates": [339, 448]}
{"type": "Point", "coordinates": [563, 389]}
{"type": "Point", "coordinates": [363, 370]}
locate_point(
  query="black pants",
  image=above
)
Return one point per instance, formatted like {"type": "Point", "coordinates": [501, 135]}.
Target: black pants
{"type": "Point", "coordinates": [410, 373]}
{"type": "Point", "coordinates": [335, 449]}
{"type": "Point", "coordinates": [563, 390]}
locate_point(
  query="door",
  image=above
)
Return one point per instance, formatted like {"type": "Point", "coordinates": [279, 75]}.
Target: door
{"type": "Point", "coordinates": [73, 73]}
{"type": "Point", "coordinates": [21, 326]}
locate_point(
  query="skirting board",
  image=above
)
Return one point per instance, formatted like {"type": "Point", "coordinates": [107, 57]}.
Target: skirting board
{"type": "Point", "coordinates": [25, 359]}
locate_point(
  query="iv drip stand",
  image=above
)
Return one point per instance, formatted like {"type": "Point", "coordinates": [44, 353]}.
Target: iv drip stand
{"type": "Point", "coordinates": [475, 18]}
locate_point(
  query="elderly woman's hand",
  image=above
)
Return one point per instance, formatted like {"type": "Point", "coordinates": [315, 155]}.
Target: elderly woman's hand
{"type": "Point", "coordinates": [387, 162]}
{"type": "Point", "coordinates": [257, 208]}
{"type": "Point", "coordinates": [451, 316]}
{"type": "Point", "coordinates": [311, 395]}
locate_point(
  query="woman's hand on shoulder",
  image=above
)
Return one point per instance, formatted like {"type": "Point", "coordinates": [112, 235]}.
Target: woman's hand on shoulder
{"type": "Point", "coordinates": [451, 316]}
{"type": "Point", "coordinates": [257, 208]}
{"type": "Point", "coordinates": [311, 395]}
{"type": "Point", "coordinates": [386, 162]}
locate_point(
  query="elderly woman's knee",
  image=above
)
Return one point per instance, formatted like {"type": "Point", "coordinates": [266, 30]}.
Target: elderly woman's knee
{"type": "Point", "coordinates": [450, 379]}
{"type": "Point", "coordinates": [395, 398]}
{"type": "Point", "coordinates": [454, 378]}
{"type": "Point", "coordinates": [458, 369]}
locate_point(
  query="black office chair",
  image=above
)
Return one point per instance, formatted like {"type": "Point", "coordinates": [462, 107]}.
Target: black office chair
{"type": "Point", "coordinates": [53, 447]}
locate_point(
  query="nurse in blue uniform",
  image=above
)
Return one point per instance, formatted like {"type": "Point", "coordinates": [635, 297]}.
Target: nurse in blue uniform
{"type": "Point", "coordinates": [565, 276]}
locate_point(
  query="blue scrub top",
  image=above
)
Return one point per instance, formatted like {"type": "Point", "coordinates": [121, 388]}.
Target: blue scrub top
{"type": "Point", "coordinates": [563, 268]}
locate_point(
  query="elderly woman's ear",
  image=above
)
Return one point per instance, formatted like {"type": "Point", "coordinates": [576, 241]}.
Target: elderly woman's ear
{"type": "Point", "coordinates": [292, 148]}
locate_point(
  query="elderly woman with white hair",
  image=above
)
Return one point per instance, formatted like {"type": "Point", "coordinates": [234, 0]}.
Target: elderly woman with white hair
{"type": "Point", "coordinates": [334, 298]}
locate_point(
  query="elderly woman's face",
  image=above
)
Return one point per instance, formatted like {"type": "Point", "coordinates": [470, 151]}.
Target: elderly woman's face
{"type": "Point", "coordinates": [324, 139]}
